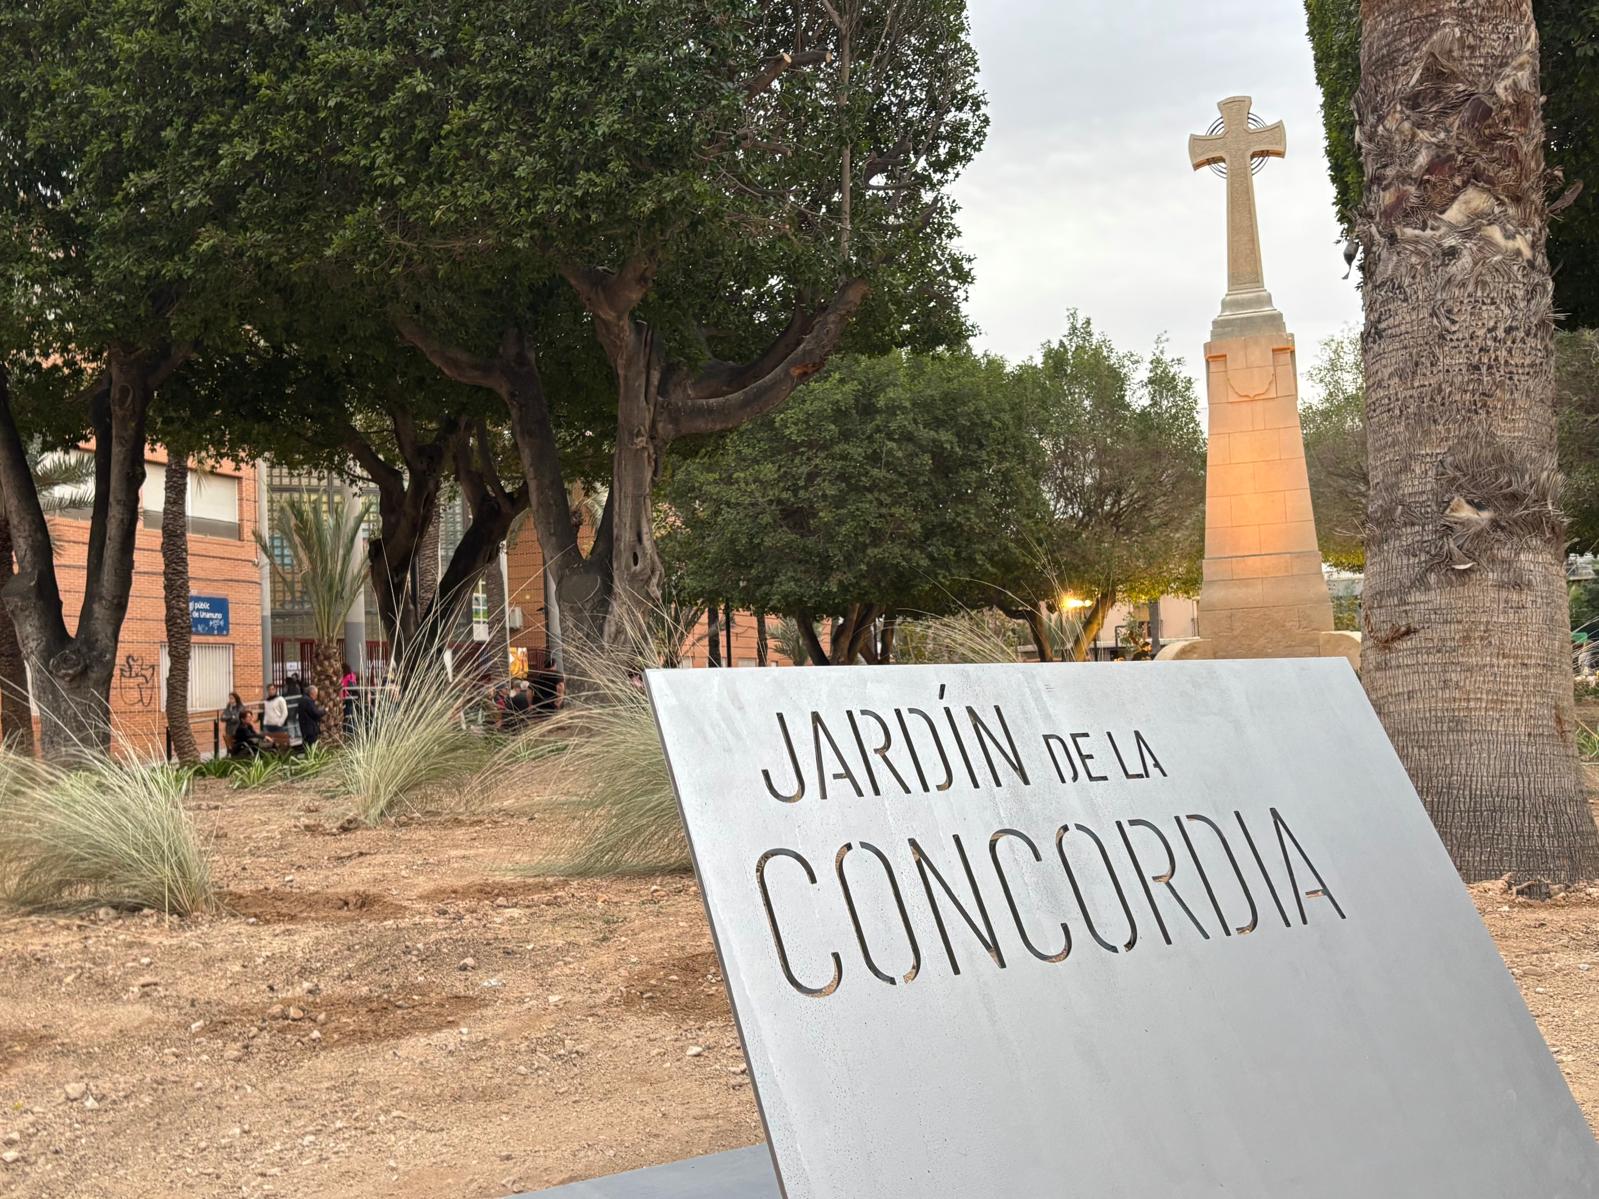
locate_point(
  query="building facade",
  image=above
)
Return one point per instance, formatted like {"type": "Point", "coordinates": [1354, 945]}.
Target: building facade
{"type": "Point", "coordinates": [225, 600]}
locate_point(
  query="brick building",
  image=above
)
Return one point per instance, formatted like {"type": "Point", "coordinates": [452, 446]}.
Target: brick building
{"type": "Point", "coordinates": [225, 585]}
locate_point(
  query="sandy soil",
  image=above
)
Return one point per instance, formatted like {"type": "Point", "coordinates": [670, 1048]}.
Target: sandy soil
{"type": "Point", "coordinates": [392, 1012]}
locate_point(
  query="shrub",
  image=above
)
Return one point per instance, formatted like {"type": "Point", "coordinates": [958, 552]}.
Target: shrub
{"type": "Point", "coordinates": [412, 745]}
{"type": "Point", "coordinates": [965, 637]}
{"type": "Point", "coordinates": [602, 761]}
{"type": "Point", "coordinates": [108, 833]}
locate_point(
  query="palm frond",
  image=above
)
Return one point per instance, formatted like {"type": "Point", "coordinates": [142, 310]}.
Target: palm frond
{"type": "Point", "coordinates": [325, 560]}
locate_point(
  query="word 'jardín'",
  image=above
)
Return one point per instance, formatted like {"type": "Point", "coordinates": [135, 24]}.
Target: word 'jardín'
{"type": "Point", "coordinates": [906, 751]}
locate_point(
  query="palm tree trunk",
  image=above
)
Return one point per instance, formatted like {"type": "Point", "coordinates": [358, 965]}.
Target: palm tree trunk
{"type": "Point", "coordinates": [175, 593]}
{"type": "Point", "coordinates": [16, 709]}
{"type": "Point", "coordinates": [327, 674]}
{"type": "Point", "coordinates": [1467, 643]}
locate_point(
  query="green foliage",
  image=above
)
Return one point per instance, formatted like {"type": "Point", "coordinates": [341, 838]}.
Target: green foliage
{"type": "Point", "coordinates": [262, 770]}
{"type": "Point", "coordinates": [1577, 399]}
{"type": "Point", "coordinates": [110, 833]}
{"type": "Point", "coordinates": [112, 231]}
{"type": "Point", "coordinates": [1569, 61]}
{"type": "Point", "coordinates": [1585, 607]}
{"type": "Point", "coordinates": [1333, 418]}
{"type": "Point", "coordinates": [904, 480]}
{"type": "Point", "coordinates": [1124, 473]}
{"type": "Point", "coordinates": [320, 558]}
{"type": "Point", "coordinates": [1335, 48]}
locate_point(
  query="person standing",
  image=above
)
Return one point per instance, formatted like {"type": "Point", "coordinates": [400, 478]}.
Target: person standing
{"type": "Point", "coordinates": [275, 712]}
{"type": "Point", "coordinates": [230, 718]}
{"type": "Point", "coordinates": [310, 718]}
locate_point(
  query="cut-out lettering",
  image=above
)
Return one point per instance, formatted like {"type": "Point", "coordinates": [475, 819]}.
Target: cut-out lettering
{"type": "Point", "coordinates": [985, 934]}
{"type": "Point", "coordinates": [1321, 891]}
{"type": "Point", "coordinates": [819, 731]}
{"type": "Point", "coordinates": [1254, 912]}
{"type": "Point", "coordinates": [1010, 899]}
{"type": "Point", "coordinates": [828, 988]}
{"type": "Point", "coordinates": [880, 751]}
{"type": "Point", "coordinates": [798, 793]}
{"type": "Point", "coordinates": [1161, 879]}
{"type": "Point", "coordinates": [899, 903]}
{"type": "Point", "coordinates": [1077, 891]}
{"type": "Point", "coordinates": [1260, 863]}
{"type": "Point", "coordinates": [1051, 740]}
{"type": "Point", "coordinates": [1007, 750]}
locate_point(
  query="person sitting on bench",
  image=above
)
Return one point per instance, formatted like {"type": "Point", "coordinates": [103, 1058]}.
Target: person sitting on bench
{"type": "Point", "coordinates": [247, 738]}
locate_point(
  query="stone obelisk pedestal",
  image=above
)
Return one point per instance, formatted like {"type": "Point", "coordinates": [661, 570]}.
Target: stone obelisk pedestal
{"type": "Point", "coordinates": [1264, 594]}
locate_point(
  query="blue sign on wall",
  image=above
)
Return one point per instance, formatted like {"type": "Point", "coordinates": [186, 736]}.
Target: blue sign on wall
{"type": "Point", "coordinates": [208, 615]}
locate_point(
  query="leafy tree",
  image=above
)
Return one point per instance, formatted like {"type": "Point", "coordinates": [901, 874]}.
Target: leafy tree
{"type": "Point", "coordinates": [1569, 52]}
{"type": "Point", "coordinates": [1467, 648]}
{"type": "Point", "coordinates": [903, 483]}
{"type": "Point", "coordinates": [358, 405]}
{"type": "Point", "coordinates": [110, 118]}
{"type": "Point", "coordinates": [1124, 475]}
{"type": "Point", "coordinates": [1334, 422]}
{"type": "Point", "coordinates": [632, 223]}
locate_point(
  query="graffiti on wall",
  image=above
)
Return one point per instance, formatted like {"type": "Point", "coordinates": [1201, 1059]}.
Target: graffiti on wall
{"type": "Point", "coordinates": [136, 681]}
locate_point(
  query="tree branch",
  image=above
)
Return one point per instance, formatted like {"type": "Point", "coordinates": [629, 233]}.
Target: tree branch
{"type": "Point", "coordinates": [694, 411]}
{"type": "Point", "coordinates": [455, 364]}
{"type": "Point", "coordinates": [773, 68]}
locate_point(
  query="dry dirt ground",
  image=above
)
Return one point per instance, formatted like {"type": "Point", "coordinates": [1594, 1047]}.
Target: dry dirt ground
{"type": "Point", "coordinates": [391, 1012]}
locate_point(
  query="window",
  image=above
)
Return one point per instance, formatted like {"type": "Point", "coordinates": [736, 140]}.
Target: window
{"type": "Point", "coordinates": [480, 612]}
{"type": "Point", "coordinates": [213, 501]}
{"type": "Point", "coordinates": [210, 676]}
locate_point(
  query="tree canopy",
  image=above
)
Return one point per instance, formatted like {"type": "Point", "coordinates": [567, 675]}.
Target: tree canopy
{"type": "Point", "coordinates": [1333, 419]}
{"type": "Point", "coordinates": [905, 481]}
{"type": "Point", "coordinates": [1124, 477]}
{"type": "Point", "coordinates": [1569, 67]}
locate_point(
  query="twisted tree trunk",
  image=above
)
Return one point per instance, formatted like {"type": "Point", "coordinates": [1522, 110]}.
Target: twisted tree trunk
{"type": "Point", "coordinates": [175, 594]}
{"type": "Point", "coordinates": [1467, 649]}
{"type": "Point", "coordinates": [16, 709]}
{"type": "Point", "coordinates": [1093, 621]}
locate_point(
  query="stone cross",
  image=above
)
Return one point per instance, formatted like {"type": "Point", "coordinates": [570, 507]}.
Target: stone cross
{"type": "Point", "coordinates": [1235, 148]}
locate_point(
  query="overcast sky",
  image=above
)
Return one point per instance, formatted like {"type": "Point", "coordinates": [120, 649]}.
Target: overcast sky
{"type": "Point", "coordinates": [1084, 198]}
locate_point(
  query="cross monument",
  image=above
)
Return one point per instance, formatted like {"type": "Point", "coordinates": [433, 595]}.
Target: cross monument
{"type": "Point", "coordinates": [1234, 149]}
{"type": "Point", "coordinates": [1263, 595]}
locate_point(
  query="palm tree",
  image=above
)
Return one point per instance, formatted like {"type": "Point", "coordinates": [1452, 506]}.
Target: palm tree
{"type": "Point", "coordinates": [1467, 638]}
{"type": "Point", "coordinates": [175, 594]}
{"type": "Point", "coordinates": [64, 480]}
{"type": "Point", "coordinates": [325, 562]}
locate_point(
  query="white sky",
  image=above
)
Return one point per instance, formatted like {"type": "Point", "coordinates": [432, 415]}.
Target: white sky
{"type": "Point", "coordinates": [1084, 198]}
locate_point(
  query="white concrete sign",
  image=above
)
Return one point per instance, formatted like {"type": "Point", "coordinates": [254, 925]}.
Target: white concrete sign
{"type": "Point", "coordinates": [1155, 930]}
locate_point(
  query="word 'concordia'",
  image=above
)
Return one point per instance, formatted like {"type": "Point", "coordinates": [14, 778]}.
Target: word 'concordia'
{"type": "Point", "coordinates": [1155, 868]}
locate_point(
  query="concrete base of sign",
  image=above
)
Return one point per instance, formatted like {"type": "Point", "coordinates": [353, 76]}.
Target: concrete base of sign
{"type": "Point", "coordinates": [739, 1174]}
{"type": "Point", "coordinates": [1334, 644]}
